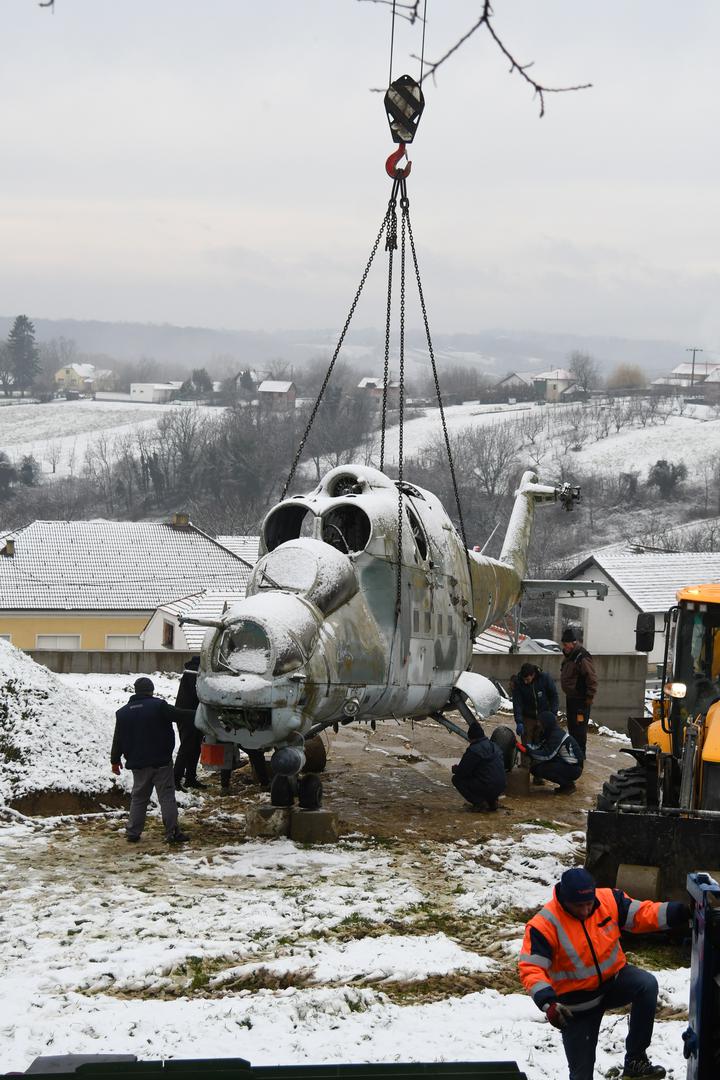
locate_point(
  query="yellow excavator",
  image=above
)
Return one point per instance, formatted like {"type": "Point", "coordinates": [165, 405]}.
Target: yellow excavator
{"type": "Point", "coordinates": [659, 820]}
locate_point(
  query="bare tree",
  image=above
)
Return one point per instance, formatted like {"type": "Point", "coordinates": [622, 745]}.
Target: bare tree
{"type": "Point", "coordinates": [410, 10]}
{"type": "Point", "coordinates": [585, 370]}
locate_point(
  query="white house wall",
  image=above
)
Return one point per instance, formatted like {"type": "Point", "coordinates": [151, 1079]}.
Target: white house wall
{"type": "Point", "coordinates": [609, 624]}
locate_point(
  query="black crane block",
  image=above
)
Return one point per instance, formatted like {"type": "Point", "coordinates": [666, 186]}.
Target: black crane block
{"type": "Point", "coordinates": [404, 103]}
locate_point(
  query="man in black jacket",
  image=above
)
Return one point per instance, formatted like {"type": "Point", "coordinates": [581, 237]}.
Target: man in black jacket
{"type": "Point", "coordinates": [533, 692]}
{"type": "Point", "coordinates": [144, 736]}
{"type": "Point", "coordinates": [188, 755]}
{"type": "Point", "coordinates": [479, 776]}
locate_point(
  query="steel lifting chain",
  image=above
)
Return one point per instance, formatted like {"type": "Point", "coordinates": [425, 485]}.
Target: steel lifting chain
{"type": "Point", "coordinates": [328, 373]}
{"type": "Point", "coordinates": [390, 247]}
{"type": "Point", "coordinates": [404, 205]}
{"type": "Point", "coordinates": [437, 386]}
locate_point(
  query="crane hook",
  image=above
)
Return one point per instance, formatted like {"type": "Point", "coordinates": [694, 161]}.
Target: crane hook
{"type": "Point", "coordinates": [391, 164]}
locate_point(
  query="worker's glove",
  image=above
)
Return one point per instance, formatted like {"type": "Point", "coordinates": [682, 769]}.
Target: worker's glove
{"type": "Point", "coordinates": [520, 729]}
{"type": "Point", "coordinates": [558, 1015]}
{"type": "Point", "coordinates": [679, 915]}
{"type": "Point", "coordinates": [453, 768]}
{"type": "Point", "coordinates": [580, 718]}
{"type": "Point", "coordinates": [116, 768]}
{"type": "Point", "coordinates": [521, 748]}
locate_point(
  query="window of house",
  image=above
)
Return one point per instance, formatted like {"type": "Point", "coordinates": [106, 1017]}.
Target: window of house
{"type": "Point", "coordinates": [439, 629]}
{"type": "Point", "coordinates": [168, 635]}
{"type": "Point", "coordinates": [428, 622]}
{"type": "Point", "coordinates": [123, 642]}
{"type": "Point", "coordinates": [57, 641]}
{"type": "Point", "coordinates": [416, 621]}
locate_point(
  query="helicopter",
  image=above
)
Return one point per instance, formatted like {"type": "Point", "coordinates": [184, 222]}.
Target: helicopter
{"type": "Point", "coordinates": [363, 606]}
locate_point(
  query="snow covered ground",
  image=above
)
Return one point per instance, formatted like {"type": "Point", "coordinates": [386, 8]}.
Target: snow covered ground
{"type": "Point", "coordinates": [373, 949]}
{"type": "Point", "coordinates": [63, 430]}
{"type": "Point", "coordinates": [691, 438]}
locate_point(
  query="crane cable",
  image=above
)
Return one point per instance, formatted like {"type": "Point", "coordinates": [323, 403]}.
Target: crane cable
{"type": "Point", "coordinates": [404, 104]}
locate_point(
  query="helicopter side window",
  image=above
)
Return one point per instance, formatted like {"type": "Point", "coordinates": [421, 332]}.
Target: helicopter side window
{"type": "Point", "coordinates": [346, 528]}
{"type": "Point", "coordinates": [417, 533]}
{"type": "Point", "coordinates": [288, 522]}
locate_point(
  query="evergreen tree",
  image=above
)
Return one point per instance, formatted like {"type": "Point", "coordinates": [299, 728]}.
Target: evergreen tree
{"type": "Point", "coordinates": [24, 354]}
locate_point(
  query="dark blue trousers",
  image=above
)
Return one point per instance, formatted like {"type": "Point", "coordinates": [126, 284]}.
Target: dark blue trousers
{"type": "Point", "coordinates": [632, 986]}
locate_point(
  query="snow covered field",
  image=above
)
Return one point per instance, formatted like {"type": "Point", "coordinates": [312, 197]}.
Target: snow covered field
{"type": "Point", "coordinates": [384, 947]}
{"type": "Point", "coordinates": [63, 430]}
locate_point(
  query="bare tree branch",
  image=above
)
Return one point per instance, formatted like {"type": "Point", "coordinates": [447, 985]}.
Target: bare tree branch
{"type": "Point", "coordinates": [411, 13]}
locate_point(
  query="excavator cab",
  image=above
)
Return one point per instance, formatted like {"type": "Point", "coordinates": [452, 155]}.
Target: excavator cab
{"type": "Point", "coordinates": [658, 819]}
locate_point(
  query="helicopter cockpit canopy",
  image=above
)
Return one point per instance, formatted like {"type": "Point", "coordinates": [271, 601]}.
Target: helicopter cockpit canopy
{"type": "Point", "coordinates": [270, 636]}
{"type": "Point", "coordinates": [323, 575]}
{"type": "Point", "coordinates": [344, 526]}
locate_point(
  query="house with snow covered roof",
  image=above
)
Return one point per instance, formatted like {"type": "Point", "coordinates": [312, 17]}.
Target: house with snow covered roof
{"type": "Point", "coordinates": [373, 388]}
{"type": "Point", "coordinates": [277, 395]}
{"type": "Point", "coordinates": [85, 378]}
{"type": "Point", "coordinates": [94, 585]}
{"type": "Point", "coordinates": [637, 582]}
{"type": "Point", "coordinates": [167, 630]}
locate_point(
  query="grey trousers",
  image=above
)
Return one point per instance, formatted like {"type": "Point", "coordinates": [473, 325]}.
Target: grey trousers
{"type": "Point", "coordinates": [144, 780]}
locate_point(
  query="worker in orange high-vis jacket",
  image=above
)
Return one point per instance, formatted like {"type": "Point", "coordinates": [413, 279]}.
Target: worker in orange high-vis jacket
{"type": "Point", "coordinates": [573, 967]}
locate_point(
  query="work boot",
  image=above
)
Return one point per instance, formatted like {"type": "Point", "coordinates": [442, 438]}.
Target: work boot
{"type": "Point", "coordinates": [566, 789]}
{"type": "Point", "coordinates": [538, 781]}
{"type": "Point", "coordinates": [131, 839]}
{"type": "Point", "coordinates": [178, 786]}
{"type": "Point", "coordinates": [492, 804]}
{"type": "Point", "coordinates": [195, 784]}
{"type": "Point", "coordinates": [178, 837]}
{"type": "Point", "coordinates": [642, 1069]}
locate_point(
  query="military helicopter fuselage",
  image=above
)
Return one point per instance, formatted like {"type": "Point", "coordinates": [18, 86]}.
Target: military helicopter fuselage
{"type": "Point", "coordinates": [330, 632]}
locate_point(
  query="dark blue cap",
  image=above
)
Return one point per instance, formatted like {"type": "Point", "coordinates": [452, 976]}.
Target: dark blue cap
{"type": "Point", "coordinates": [577, 886]}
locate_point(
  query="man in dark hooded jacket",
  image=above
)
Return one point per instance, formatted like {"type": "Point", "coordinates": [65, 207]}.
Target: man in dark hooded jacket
{"type": "Point", "coordinates": [479, 776]}
{"type": "Point", "coordinates": [557, 757]}
{"type": "Point", "coordinates": [144, 736]}
{"type": "Point", "coordinates": [533, 692]}
{"type": "Point", "coordinates": [188, 755]}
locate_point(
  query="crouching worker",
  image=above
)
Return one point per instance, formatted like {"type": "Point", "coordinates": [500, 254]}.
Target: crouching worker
{"type": "Point", "coordinates": [573, 967]}
{"type": "Point", "coordinates": [479, 776]}
{"type": "Point", "coordinates": [144, 736]}
{"type": "Point", "coordinates": [558, 757]}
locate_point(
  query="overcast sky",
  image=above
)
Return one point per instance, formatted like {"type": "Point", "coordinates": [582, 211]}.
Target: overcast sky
{"type": "Point", "coordinates": [221, 163]}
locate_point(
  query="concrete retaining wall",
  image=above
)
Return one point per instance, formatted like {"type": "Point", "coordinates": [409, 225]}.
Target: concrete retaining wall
{"type": "Point", "coordinates": [77, 662]}
{"type": "Point", "coordinates": [621, 676]}
{"type": "Point", "coordinates": [621, 681]}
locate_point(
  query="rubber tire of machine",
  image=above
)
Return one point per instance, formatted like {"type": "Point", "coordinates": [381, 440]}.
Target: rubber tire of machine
{"type": "Point", "coordinates": [315, 755]}
{"type": "Point", "coordinates": [505, 739]}
{"type": "Point", "coordinates": [281, 791]}
{"type": "Point", "coordinates": [625, 786]}
{"type": "Point", "coordinates": [310, 792]}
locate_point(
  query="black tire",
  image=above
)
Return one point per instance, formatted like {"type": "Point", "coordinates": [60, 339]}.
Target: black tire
{"type": "Point", "coordinates": [626, 786]}
{"type": "Point", "coordinates": [281, 791]}
{"type": "Point", "coordinates": [505, 738]}
{"type": "Point", "coordinates": [310, 792]}
{"type": "Point", "coordinates": [315, 755]}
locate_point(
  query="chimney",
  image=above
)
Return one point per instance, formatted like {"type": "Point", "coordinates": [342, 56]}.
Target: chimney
{"type": "Point", "coordinates": [180, 521]}
{"type": "Point", "coordinates": [9, 549]}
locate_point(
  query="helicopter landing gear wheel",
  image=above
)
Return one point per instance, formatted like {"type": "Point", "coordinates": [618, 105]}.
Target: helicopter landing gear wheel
{"type": "Point", "coordinates": [310, 792]}
{"type": "Point", "coordinates": [505, 739]}
{"type": "Point", "coordinates": [281, 791]}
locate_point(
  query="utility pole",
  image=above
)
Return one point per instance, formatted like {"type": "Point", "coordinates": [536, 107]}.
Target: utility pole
{"type": "Point", "coordinates": [693, 350]}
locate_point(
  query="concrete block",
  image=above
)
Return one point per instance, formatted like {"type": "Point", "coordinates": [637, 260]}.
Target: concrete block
{"type": "Point", "coordinates": [268, 821]}
{"type": "Point", "coordinates": [518, 781]}
{"type": "Point", "coordinates": [313, 826]}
